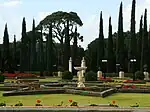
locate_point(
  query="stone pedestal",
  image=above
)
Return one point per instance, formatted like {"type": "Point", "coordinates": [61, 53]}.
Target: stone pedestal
{"type": "Point", "coordinates": [70, 65]}
{"type": "Point", "coordinates": [146, 74]}
{"type": "Point", "coordinates": [99, 75]}
{"type": "Point", "coordinates": [59, 74]}
{"type": "Point", "coordinates": [83, 64]}
{"type": "Point", "coordinates": [80, 79]}
{"type": "Point", "coordinates": [121, 74]}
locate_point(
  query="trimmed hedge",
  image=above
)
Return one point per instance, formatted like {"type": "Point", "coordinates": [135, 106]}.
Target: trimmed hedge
{"type": "Point", "coordinates": [67, 75]}
{"type": "Point", "coordinates": [2, 78]}
{"type": "Point", "coordinates": [90, 76]}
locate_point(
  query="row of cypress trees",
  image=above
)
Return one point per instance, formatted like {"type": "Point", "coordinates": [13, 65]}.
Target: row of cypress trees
{"type": "Point", "coordinates": [139, 45]}
{"type": "Point", "coordinates": [33, 55]}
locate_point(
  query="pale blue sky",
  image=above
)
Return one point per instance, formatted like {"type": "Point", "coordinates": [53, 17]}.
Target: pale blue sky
{"type": "Point", "coordinates": [12, 12]}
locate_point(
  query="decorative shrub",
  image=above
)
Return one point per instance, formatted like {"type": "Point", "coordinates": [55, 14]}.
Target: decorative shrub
{"type": "Point", "coordinates": [2, 78]}
{"type": "Point", "coordinates": [67, 75]}
{"type": "Point", "coordinates": [90, 76]}
{"type": "Point", "coordinates": [19, 104]}
{"type": "Point", "coordinates": [139, 75]}
{"type": "Point", "coordinates": [74, 103]}
{"type": "Point", "coordinates": [3, 104]}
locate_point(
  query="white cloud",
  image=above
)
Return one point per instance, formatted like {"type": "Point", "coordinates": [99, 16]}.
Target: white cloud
{"type": "Point", "coordinates": [10, 3]}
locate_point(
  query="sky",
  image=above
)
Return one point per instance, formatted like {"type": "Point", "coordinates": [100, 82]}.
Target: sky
{"type": "Point", "coordinates": [13, 11]}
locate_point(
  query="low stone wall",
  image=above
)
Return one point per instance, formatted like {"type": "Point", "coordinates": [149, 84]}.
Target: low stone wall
{"type": "Point", "coordinates": [130, 90]}
{"type": "Point", "coordinates": [72, 109]}
{"type": "Point", "coordinates": [2, 88]}
{"type": "Point", "coordinates": [34, 92]}
{"type": "Point", "coordinates": [91, 93]}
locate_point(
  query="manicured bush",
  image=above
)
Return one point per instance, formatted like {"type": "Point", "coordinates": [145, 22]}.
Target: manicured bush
{"type": "Point", "coordinates": [3, 104]}
{"type": "Point", "coordinates": [19, 104]}
{"type": "Point", "coordinates": [74, 103]}
{"type": "Point", "coordinates": [2, 78]}
{"type": "Point", "coordinates": [90, 76]}
{"type": "Point", "coordinates": [139, 75]}
{"type": "Point", "coordinates": [67, 75]}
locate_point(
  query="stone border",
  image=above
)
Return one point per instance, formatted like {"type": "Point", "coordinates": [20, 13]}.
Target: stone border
{"type": "Point", "coordinates": [71, 109]}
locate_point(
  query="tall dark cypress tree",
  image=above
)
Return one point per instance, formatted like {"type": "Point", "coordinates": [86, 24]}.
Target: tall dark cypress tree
{"type": "Point", "coordinates": [139, 45]}
{"type": "Point", "coordinates": [67, 47]}
{"type": "Point", "coordinates": [24, 50]}
{"type": "Point", "coordinates": [6, 52]}
{"type": "Point", "coordinates": [145, 41]}
{"type": "Point", "coordinates": [14, 53]}
{"type": "Point", "coordinates": [49, 50]}
{"type": "Point", "coordinates": [149, 48]}
{"type": "Point", "coordinates": [33, 48]}
{"type": "Point", "coordinates": [132, 48]}
{"type": "Point", "coordinates": [110, 52]}
{"type": "Point", "coordinates": [120, 58]}
{"type": "Point", "coordinates": [41, 54]}
{"type": "Point", "coordinates": [100, 49]}
{"type": "Point", "coordinates": [75, 47]}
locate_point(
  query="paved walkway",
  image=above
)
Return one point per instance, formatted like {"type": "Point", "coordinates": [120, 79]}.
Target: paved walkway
{"type": "Point", "coordinates": [73, 109]}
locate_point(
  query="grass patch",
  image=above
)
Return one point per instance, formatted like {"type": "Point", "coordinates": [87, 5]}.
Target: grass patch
{"type": "Point", "coordinates": [123, 99]}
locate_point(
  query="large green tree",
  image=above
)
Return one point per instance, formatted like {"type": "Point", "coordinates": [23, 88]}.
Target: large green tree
{"type": "Point", "coordinates": [59, 23]}
{"type": "Point", "coordinates": [100, 46]}
{"type": "Point", "coordinates": [120, 58]}
{"type": "Point", "coordinates": [110, 51]}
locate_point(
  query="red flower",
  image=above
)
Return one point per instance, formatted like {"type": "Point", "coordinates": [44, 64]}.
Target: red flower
{"type": "Point", "coordinates": [133, 86]}
{"type": "Point", "coordinates": [113, 102]}
{"type": "Point", "coordinates": [38, 101]}
{"type": "Point", "coordinates": [70, 101]}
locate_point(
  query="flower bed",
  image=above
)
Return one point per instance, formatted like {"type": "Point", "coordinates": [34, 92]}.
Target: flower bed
{"type": "Point", "coordinates": [19, 75]}
{"type": "Point", "coordinates": [107, 79]}
{"type": "Point", "coordinates": [136, 81]}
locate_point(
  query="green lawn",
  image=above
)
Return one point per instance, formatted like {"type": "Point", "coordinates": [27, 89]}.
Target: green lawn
{"type": "Point", "coordinates": [54, 99]}
{"type": "Point", "coordinates": [48, 79]}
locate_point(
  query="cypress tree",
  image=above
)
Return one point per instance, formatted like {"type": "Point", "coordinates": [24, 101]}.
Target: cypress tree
{"type": "Point", "coordinates": [41, 54]}
{"type": "Point", "coordinates": [110, 52]}
{"type": "Point", "coordinates": [100, 49]}
{"type": "Point", "coordinates": [14, 53]}
{"type": "Point", "coordinates": [144, 55]}
{"type": "Point", "coordinates": [6, 52]}
{"type": "Point", "coordinates": [120, 41]}
{"type": "Point", "coordinates": [67, 47]}
{"type": "Point", "coordinates": [139, 45]}
{"type": "Point", "coordinates": [33, 48]}
{"type": "Point", "coordinates": [132, 47]}
{"type": "Point", "coordinates": [75, 47]}
{"type": "Point", "coordinates": [49, 50]}
{"type": "Point", "coordinates": [24, 50]}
